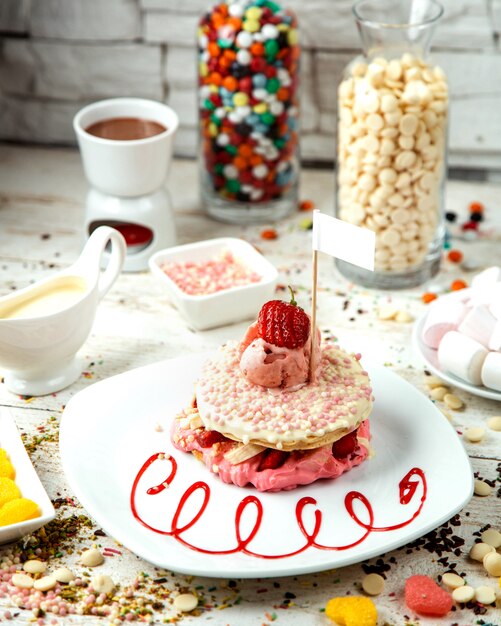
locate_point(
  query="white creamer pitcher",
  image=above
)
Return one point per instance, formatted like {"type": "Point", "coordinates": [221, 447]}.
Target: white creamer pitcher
{"type": "Point", "coordinates": [43, 326]}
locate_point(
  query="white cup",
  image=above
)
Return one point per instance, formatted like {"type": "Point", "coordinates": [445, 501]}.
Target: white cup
{"type": "Point", "coordinates": [126, 168]}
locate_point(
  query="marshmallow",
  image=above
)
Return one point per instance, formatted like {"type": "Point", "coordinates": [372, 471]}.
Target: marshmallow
{"type": "Point", "coordinates": [487, 278]}
{"type": "Point", "coordinates": [462, 356]}
{"type": "Point", "coordinates": [495, 339]}
{"type": "Point", "coordinates": [491, 371]}
{"type": "Point", "coordinates": [442, 317]}
{"type": "Point", "coordinates": [478, 324]}
{"type": "Point", "coordinates": [486, 295]}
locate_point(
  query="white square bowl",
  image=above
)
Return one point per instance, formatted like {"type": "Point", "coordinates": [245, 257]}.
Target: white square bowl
{"type": "Point", "coordinates": [228, 305]}
{"type": "Point", "coordinates": [26, 479]}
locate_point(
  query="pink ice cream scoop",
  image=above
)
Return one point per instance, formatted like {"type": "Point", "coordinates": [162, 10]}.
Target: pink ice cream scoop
{"type": "Point", "coordinates": [265, 364]}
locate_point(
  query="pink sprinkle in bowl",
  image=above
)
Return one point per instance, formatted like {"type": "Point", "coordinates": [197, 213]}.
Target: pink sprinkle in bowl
{"type": "Point", "coordinates": [229, 305]}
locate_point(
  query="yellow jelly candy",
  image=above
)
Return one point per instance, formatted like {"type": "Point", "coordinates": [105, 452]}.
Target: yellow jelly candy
{"type": "Point", "coordinates": [18, 510]}
{"type": "Point", "coordinates": [8, 490]}
{"type": "Point", "coordinates": [352, 611]}
{"type": "Point", "coordinates": [6, 468]}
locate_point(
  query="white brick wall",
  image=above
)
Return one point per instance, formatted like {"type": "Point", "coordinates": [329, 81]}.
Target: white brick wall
{"type": "Point", "coordinates": [74, 51]}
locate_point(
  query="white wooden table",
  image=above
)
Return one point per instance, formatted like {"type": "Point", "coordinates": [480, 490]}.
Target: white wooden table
{"type": "Point", "coordinates": [42, 194]}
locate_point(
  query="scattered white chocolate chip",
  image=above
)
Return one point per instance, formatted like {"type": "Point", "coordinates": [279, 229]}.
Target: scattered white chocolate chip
{"type": "Point", "coordinates": [373, 584]}
{"type": "Point", "coordinates": [23, 581]}
{"type": "Point", "coordinates": [103, 584]}
{"type": "Point", "coordinates": [434, 381]}
{"type": "Point", "coordinates": [463, 594]}
{"type": "Point", "coordinates": [46, 583]}
{"type": "Point", "coordinates": [34, 566]}
{"type": "Point", "coordinates": [485, 595]}
{"type": "Point", "coordinates": [453, 402]}
{"type": "Point", "coordinates": [491, 537]}
{"type": "Point", "coordinates": [492, 563]}
{"type": "Point", "coordinates": [63, 575]}
{"type": "Point", "coordinates": [438, 393]}
{"type": "Point", "coordinates": [482, 488]}
{"type": "Point", "coordinates": [92, 558]}
{"type": "Point", "coordinates": [494, 423]}
{"type": "Point", "coordinates": [186, 602]}
{"type": "Point", "coordinates": [404, 317]}
{"type": "Point", "coordinates": [474, 434]}
{"type": "Point", "coordinates": [451, 580]}
{"type": "Point", "coordinates": [479, 550]}
{"type": "Point", "coordinates": [387, 312]}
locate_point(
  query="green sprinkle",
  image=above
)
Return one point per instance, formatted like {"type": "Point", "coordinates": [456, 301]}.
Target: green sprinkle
{"type": "Point", "coordinates": [273, 85]}
{"type": "Point", "coordinates": [233, 185]}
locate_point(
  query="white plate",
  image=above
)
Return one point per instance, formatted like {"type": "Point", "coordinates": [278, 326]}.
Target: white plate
{"type": "Point", "coordinates": [110, 430]}
{"type": "Point", "coordinates": [430, 356]}
{"type": "Point", "coordinates": [26, 479]}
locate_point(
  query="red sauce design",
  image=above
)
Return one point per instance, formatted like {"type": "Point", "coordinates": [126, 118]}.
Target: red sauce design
{"type": "Point", "coordinates": [407, 490]}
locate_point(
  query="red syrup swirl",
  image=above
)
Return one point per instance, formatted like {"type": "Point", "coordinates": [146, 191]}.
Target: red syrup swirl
{"type": "Point", "coordinates": [407, 490]}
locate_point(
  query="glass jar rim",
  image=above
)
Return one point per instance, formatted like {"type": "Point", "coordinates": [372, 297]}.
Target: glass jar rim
{"type": "Point", "coordinates": [436, 14]}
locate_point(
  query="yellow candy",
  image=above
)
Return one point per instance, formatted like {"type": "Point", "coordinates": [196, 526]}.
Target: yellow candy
{"type": "Point", "coordinates": [260, 108]}
{"type": "Point", "coordinates": [251, 26]}
{"type": "Point", "coordinates": [240, 99]}
{"type": "Point", "coordinates": [213, 130]}
{"type": "Point", "coordinates": [283, 27]}
{"type": "Point", "coordinates": [352, 611]}
{"type": "Point", "coordinates": [253, 13]}
{"type": "Point", "coordinates": [18, 510]}
{"type": "Point", "coordinates": [292, 37]}
{"type": "Point", "coordinates": [203, 69]}
{"type": "Point", "coordinates": [6, 468]}
{"type": "Point", "coordinates": [8, 490]}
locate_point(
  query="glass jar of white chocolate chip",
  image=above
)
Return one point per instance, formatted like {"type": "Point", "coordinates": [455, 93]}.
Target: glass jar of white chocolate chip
{"type": "Point", "coordinates": [392, 137]}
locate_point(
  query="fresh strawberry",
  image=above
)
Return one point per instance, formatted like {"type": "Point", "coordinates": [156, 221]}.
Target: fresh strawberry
{"type": "Point", "coordinates": [345, 446]}
{"type": "Point", "coordinates": [283, 324]}
{"type": "Point", "coordinates": [207, 438]}
{"type": "Point", "coordinates": [271, 459]}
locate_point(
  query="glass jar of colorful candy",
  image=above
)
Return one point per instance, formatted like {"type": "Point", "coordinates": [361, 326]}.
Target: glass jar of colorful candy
{"type": "Point", "coordinates": [248, 110]}
{"type": "Point", "coordinates": [392, 142]}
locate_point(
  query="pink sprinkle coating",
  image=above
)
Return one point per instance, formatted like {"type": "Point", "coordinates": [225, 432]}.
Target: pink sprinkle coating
{"type": "Point", "coordinates": [203, 278]}
{"type": "Point", "coordinates": [340, 397]}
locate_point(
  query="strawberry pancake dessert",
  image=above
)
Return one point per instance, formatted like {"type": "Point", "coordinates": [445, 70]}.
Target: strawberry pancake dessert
{"type": "Point", "coordinates": [257, 418]}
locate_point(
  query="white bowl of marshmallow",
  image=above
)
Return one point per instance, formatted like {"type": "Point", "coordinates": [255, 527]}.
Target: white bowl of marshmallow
{"type": "Point", "coordinates": [461, 333]}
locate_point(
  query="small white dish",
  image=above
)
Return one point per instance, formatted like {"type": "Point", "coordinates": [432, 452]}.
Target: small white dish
{"type": "Point", "coordinates": [430, 357]}
{"type": "Point", "coordinates": [405, 491]}
{"type": "Point", "coordinates": [26, 479]}
{"type": "Point", "coordinates": [228, 305]}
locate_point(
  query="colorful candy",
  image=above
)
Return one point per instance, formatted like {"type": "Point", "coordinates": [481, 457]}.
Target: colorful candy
{"type": "Point", "coordinates": [352, 611]}
{"type": "Point", "coordinates": [248, 79]}
{"type": "Point", "coordinates": [13, 507]}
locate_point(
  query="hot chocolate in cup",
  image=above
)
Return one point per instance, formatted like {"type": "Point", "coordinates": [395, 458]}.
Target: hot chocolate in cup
{"type": "Point", "coordinates": [116, 164]}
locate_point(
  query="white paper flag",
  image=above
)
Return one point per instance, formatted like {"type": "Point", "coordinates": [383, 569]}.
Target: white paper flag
{"type": "Point", "coordinates": [344, 241]}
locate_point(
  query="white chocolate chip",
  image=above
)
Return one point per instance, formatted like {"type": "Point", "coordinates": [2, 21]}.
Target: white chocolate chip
{"type": "Point", "coordinates": [434, 381]}
{"type": "Point", "coordinates": [34, 566]}
{"type": "Point", "coordinates": [482, 488]}
{"type": "Point", "coordinates": [373, 584]}
{"type": "Point", "coordinates": [463, 594]}
{"type": "Point", "coordinates": [491, 537]}
{"type": "Point", "coordinates": [404, 317]}
{"type": "Point", "coordinates": [63, 575]}
{"type": "Point", "coordinates": [485, 595]}
{"type": "Point", "coordinates": [451, 580]}
{"type": "Point", "coordinates": [475, 434]}
{"type": "Point", "coordinates": [186, 602]}
{"type": "Point", "coordinates": [387, 312]}
{"type": "Point", "coordinates": [46, 583]}
{"type": "Point", "coordinates": [479, 550]}
{"type": "Point", "coordinates": [494, 423]}
{"type": "Point", "coordinates": [438, 393]}
{"type": "Point", "coordinates": [492, 563]}
{"type": "Point", "coordinates": [92, 558]}
{"type": "Point", "coordinates": [23, 581]}
{"type": "Point", "coordinates": [103, 584]}
{"type": "Point", "coordinates": [453, 402]}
